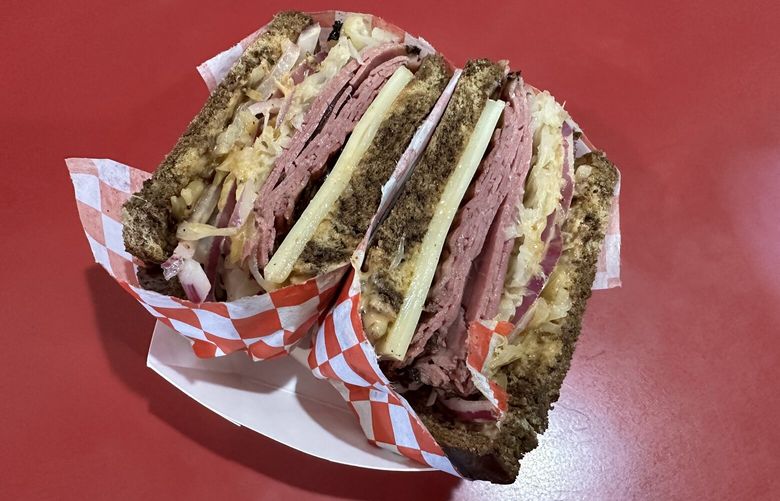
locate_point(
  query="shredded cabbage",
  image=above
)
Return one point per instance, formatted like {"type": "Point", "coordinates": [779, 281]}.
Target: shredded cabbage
{"type": "Point", "coordinates": [257, 75]}
{"type": "Point", "coordinates": [542, 198]}
{"type": "Point", "coordinates": [207, 202]}
{"type": "Point", "coordinates": [246, 163]}
{"type": "Point", "coordinates": [532, 347]}
{"type": "Point", "coordinates": [282, 68]}
{"type": "Point", "coordinates": [553, 303]}
{"type": "Point", "coordinates": [549, 309]}
{"type": "Point", "coordinates": [357, 28]}
{"type": "Point", "coordinates": [238, 240]}
{"type": "Point", "coordinates": [240, 132]}
{"type": "Point", "coordinates": [307, 40]}
{"type": "Point", "coordinates": [248, 147]}
{"type": "Point", "coordinates": [238, 283]}
{"type": "Point", "coordinates": [251, 165]}
{"type": "Point", "coordinates": [227, 186]}
{"type": "Point", "coordinates": [312, 85]}
{"type": "Point", "coordinates": [182, 205]}
{"type": "Point", "coordinates": [179, 208]}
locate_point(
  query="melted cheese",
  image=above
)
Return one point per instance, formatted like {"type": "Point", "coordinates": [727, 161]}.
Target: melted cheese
{"type": "Point", "coordinates": [396, 342]}
{"type": "Point", "coordinates": [281, 264]}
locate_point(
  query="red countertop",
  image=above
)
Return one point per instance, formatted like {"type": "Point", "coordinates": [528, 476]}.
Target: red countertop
{"type": "Point", "coordinates": [673, 392]}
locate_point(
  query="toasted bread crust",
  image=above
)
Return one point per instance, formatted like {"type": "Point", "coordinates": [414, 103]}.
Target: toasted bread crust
{"type": "Point", "coordinates": [533, 388]}
{"type": "Point", "coordinates": [149, 229]}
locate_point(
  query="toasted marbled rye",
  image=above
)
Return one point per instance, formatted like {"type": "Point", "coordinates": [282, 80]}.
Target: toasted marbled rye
{"type": "Point", "coordinates": [149, 227]}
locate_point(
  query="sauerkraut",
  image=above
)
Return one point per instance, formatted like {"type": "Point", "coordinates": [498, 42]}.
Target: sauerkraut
{"type": "Point", "coordinates": [271, 110]}
{"type": "Point", "coordinates": [540, 341]}
{"type": "Point", "coordinates": [542, 198]}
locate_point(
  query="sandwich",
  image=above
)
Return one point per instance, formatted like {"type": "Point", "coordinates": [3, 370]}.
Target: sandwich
{"type": "Point", "coordinates": [277, 178]}
{"type": "Point", "coordinates": [501, 222]}
{"type": "Point", "coordinates": [463, 199]}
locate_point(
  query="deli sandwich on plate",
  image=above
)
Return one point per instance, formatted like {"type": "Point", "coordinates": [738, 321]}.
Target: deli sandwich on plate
{"type": "Point", "coordinates": [465, 200]}
{"type": "Point", "coordinates": [276, 180]}
{"type": "Point", "coordinates": [499, 225]}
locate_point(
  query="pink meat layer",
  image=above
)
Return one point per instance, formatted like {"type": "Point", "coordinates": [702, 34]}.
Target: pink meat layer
{"type": "Point", "coordinates": [326, 125]}
{"type": "Point", "coordinates": [440, 337]}
{"type": "Point", "coordinates": [483, 298]}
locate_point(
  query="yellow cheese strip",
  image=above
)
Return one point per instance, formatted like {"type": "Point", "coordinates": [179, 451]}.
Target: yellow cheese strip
{"type": "Point", "coordinates": [396, 342]}
{"type": "Point", "coordinates": [279, 267]}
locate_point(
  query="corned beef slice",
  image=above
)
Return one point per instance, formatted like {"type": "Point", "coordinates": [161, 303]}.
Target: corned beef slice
{"type": "Point", "coordinates": [325, 129]}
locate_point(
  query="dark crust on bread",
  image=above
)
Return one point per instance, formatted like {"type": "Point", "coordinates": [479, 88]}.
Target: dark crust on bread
{"type": "Point", "coordinates": [533, 388]}
{"type": "Point", "coordinates": [149, 228]}
{"type": "Point", "coordinates": [338, 236]}
{"type": "Point", "coordinates": [409, 219]}
{"type": "Point", "coordinates": [151, 278]}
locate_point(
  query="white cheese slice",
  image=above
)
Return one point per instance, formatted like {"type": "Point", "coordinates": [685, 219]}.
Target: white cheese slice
{"type": "Point", "coordinates": [281, 264]}
{"type": "Point", "coordinates": [396, 342]}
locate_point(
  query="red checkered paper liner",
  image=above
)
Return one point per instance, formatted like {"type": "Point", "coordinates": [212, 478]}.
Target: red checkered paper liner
{"type": "Point", "coordinates": [481, 341]}
{"type": "Point", "coordinates": [265, 326]}
{"type": "Point", "coordinates": [342, 354]}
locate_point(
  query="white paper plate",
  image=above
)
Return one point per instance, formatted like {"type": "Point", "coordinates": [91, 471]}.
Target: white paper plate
{"type": "Point", "coordinates": [278, 398]}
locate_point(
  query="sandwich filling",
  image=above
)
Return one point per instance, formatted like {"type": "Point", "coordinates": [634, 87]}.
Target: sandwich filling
{"type": "Point", "coordinates": [438, 350]}
{"type": "Point", "coordinates": [276, 110]}
{"type": "Point", "coordinates": [399, 335]}
{"type": "Point", "coordinates": [538, 343]}
{"type": "Point", "coordinates": [541, 212]}
{"type": "Point", "coordinates": [281, 264]}
{"type": "Point", "coordinates": [294, 179]}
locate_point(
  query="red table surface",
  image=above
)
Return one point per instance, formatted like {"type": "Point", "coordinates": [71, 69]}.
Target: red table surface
{"type": "Point", "coordinates": [673, 392]}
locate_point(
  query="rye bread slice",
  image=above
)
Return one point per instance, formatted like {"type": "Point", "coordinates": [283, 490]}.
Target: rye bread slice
{"type": "Point", "coordinates": [149, 227]}
{"type": "Point", "coordinates": [151, 278]}
{"type": "Point", "coordinates": [534, 385]}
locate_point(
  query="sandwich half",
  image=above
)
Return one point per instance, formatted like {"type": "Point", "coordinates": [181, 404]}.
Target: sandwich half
{"type": "Point", "coordinates": [262, 189]}
{"type": "Point", "coordinates": [499, 222]}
